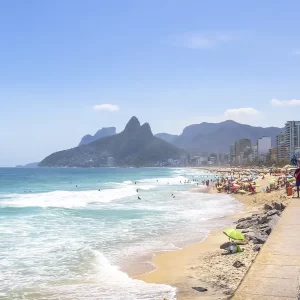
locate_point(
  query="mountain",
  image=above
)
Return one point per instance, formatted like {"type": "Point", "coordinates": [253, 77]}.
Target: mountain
{"type": "Point", "coordinates": [108, 131]}
{"type": "Point", "coordinates": [166, 137]}
{"type": "Point", "coordinates": [134, 146]}
{"type": "Point", "coordinates": [30, 165]}
{"type": "Point", "coordinates": [217, 137]}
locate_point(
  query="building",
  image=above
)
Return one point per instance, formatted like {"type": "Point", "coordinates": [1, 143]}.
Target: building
{"type": "Point", "coordinates": [272, 155]}
{"type": "Point", "coordinates": [232, 154]}
{"type": "Point", "coordinates": [292, 136]}
{"type": "Point", "coordinates": [254, 151]}
{"type": "Point", "coordinates": [263, 146]}
{"type": "Point", "coordinates": [281, 146]}
{"type": "Point", "coordinates": [184, 160]}
{"type": "Point", "coordinates": [242, 150]}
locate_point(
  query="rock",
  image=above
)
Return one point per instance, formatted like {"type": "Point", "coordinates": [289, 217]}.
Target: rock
{"type": "Point", "coordinates": [199, 289]}
{"type": "Point", "coordinates": [283, 206]}
{"type": "Point", "coordinates": [259, 239]}
{"type": "Point", "coordinates": [244, 225]}
{"type": "Point", "coordinates": [268, 207]}
{"type": "Point", "coordinates": [225, 245]}
{"type": "Point", "coordinates": [273, 220]}
{"type": "Point", "coordinates": [272, 212]}
{"type": "Point", "coordinates": [276, 205]}
{"type": "Point", "coordinates": [262, 219]}
{"type": "Point", "coordinates": [249, 236]}
{"type": "Point", "coordinates": [237, 264]}
{"type": "Point", "coordinates": [244, 219]}
{"type": "Point", "coordinates": [263, 226]}
{"type": "Point", "coordinates": [256, 247]}
{"type": "Point", "coordinates": [268, 230]}
{"type": "Point", "coordinates": [245, 230]}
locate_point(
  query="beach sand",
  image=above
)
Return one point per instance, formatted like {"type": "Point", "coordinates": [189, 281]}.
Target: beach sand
{"type": "Point", "coordinates": [203, 264]}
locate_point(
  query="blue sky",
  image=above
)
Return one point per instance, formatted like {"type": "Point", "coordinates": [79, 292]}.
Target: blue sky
{"type": "Point", "coordinates": [170, 63]}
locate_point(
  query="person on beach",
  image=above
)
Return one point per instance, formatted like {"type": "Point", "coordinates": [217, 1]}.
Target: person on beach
{"type": "Point", "coordinates": [297, 176]}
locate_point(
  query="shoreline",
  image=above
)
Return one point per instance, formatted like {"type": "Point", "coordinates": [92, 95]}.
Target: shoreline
{"type": "Point", "coordinates": [178, 268]}
{"type": "Point", "coordinates": [202, 265]}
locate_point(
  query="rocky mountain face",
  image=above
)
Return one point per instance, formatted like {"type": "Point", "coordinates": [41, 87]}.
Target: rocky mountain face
{"type": "Point", "coordinates": [167, 137]}
{"type": "Point", "coordinates": [134, 146]}
{"type": "Point", "coordinates": [217, 137]}
{"type": "Point", "coordinates": [108, 131]}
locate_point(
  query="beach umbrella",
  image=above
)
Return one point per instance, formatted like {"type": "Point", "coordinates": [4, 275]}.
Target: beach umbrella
{"type": "Point", "coordinates": [234, 234]}
{"type": "Point", "coordinates": [235, 188]}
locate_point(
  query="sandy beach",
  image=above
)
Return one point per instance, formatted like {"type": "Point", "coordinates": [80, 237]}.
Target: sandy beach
{"type": "Point", "coordinates": [204, 264]}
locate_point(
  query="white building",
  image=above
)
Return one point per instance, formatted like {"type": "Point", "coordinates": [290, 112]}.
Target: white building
{"type": "Point", "coordinates": [263, 146]}
{"type": "Point", "coordinates": [254, 151]}
{"type": "Point", "coordinates": [292, 136]}
{"type": "Point", "coordinates": [171, 162]}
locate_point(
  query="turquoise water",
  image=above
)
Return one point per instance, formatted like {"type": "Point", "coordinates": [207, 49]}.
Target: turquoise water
{"type": "Point", "coordinates": [62, 238]}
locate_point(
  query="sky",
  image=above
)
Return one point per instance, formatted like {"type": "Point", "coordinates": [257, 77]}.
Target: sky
{"type": "Point", "coordinates": [71, 67]}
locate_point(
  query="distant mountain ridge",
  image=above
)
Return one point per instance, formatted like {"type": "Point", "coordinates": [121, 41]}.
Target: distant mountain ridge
{"type": "Point", "coordinates": [105, 131]}
{"type": "Point", "coordinates": [217, 137]}
{"type": "Point", "coordinates": [167, 137]}
{"type": "Point", "coordinates": [134, 146]}
{"type": "Point", "coordinates": [30, 165]}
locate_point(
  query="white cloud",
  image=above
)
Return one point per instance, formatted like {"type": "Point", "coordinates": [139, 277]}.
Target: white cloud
{"type": "Point", "coordinates": [240, 112]}
{"type": "Point", "coordinates": [293, 102]}
{"type": "Point", "coordinates": [107, 107]}
{"type": "Point", "coordinates": [193, 40]}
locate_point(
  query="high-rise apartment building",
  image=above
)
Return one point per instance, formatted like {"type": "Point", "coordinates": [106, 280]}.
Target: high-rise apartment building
{"type": "Point", "coordinates": [292, 136]}
{"type": "Point", "coordinates": [263, 146]}
{"type": "Point", "coordinates": [281, 146]}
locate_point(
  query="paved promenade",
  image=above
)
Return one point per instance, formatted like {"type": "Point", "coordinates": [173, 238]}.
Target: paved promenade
{"type": "Point", "coordinates": [275, 273]}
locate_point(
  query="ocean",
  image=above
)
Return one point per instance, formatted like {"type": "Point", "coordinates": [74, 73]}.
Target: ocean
{"type": "Point", "coordinates": [83, 233]}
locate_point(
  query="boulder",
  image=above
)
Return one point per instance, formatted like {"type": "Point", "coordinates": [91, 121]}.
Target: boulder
{"type": "Point", "coordinates": [268, 230]}
{"type": "Point", "coordinates": [244, 224]}
{"type": "Point", "coordinates": [259, 239]}
{"type": "Point", "coordinates": [256, 247]}
{"type": "Point", "coordinates": [272, 212]}
{"type": "Point", "coordinates": [244, 219]}
{"type": "Point", "coordinates": [276, 206]}
{"type": "Point", "coordinates": [249, 236]}
{"type": "Point", "coordinates": [237, 264]}
{"type": "Point", "coordinates": [262, 219]}
{"type": "Point", "coordinates": [199, 289]}
{"type": "Point", "coordinates": [273, 220]}
{"type": "Point", "coordinates": [283, 206]}
{"type": "Point", "coordinates": [263, 226]}
{"type": "Point", "coordinates": [225, 245]}
{"type": "Point", "coordinates": [268, 207]}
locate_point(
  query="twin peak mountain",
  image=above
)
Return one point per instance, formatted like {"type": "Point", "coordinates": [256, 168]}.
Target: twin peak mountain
{"type": "Point", "coordinates": [134, 146]}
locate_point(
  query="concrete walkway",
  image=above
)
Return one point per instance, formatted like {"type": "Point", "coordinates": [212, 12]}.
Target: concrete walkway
{"type": "Point", "coordinates": [275, 273]}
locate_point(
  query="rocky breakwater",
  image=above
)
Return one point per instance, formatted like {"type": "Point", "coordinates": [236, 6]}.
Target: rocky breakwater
{"type": "Point", "coordinates": [257, 227]}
